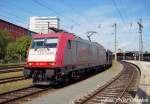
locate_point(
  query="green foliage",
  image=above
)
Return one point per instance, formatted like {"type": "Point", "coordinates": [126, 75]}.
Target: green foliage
{"type": "Point", "coordinates": [11, 53]}
{"type": "Point", "coordinates": [16, 51]}
{"type": "Point", "coordinates": [22, 45]}
{"type": "Point", "coordinates": [5, 38]}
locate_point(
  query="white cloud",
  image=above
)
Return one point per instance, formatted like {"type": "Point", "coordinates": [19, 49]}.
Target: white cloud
{"type": "Point", "coordinates": [127, 34]}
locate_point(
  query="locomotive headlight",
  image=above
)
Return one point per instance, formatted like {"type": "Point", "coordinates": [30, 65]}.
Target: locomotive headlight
{"type": "Point", "coordinates": [30, 63]}
{"type": "Point", "coordinates": [53, 64]}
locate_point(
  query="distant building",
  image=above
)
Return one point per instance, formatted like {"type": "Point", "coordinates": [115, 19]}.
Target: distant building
{"type": "Point", "coordinates": [41, 24]}
{"type": "Point", "coordinates": [15, 30]}
{"type": "Point", "coordinates": [132, 55]}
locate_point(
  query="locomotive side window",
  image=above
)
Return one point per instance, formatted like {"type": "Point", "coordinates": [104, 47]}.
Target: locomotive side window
{"type": "Point", "coordinates": [69, 44]}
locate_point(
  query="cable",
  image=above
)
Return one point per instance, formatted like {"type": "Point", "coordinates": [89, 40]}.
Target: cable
{"type": "Point", "coordinates": [45, 6]}
{"type": "Point", "coordinates": [123, 9]}
{"type": "Point", "coordinates": [11, 18]}
{"type": "Point", "coordinates": [11, 14]}
{"type": "Point", "coordinates": [20, 8]}
{"type": "Point", "coordinates": [73, 9]}
{"type": "Point", "coordinates": [119, 12]}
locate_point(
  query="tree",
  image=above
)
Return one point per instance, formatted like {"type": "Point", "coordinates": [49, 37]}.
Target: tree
{"type": "Point", "coordinates": [5, 38]}
{"type": "Point", "coordinates": [11, 53]}
{"type": "Point", "coordinates": [22, 45]}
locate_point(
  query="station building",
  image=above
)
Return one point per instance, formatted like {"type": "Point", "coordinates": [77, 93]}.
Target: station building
{"type": "Point", "coordinates": [132, 55]}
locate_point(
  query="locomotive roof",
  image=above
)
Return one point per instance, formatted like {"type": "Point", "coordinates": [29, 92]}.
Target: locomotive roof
{"type": "Point", "coordinates": [53, 34]}
{"type": "Point", "coordinates": [89, 42]}
{"type": "Point", "coordinates": [71, 35]}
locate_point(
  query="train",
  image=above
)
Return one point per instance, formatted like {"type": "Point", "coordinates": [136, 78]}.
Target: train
{"type": "Point", "coordinates": [61, 56]}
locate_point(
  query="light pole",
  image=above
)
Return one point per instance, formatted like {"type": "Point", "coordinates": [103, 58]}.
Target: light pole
{"type": "Point", "coordinates": [140, 39]}
{"type": "Point", "coordinates": [115, 33]}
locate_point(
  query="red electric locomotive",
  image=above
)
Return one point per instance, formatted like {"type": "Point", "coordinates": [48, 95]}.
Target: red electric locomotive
{"type": "Point", "coordinates": [60, 56]}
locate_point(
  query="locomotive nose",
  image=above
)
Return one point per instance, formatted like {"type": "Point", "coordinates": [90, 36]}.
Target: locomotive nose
{"type": "Point", "coordinates": [41, 58]}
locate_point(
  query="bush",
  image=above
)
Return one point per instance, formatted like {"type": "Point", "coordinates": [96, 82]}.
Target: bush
{"type": "Point", "coordinates": [22, 44]}
{"type": "Point", "coordinates": [16, 51]}
{"type": "Point", "coordinates": [5, 38]}
{"type": "Point", "coordinates": [11, 53]}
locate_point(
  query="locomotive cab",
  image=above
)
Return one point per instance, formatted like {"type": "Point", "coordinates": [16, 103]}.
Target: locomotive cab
{"type": "Point", "coordinates": [41, 57]}
{"type": "Point", "coordinates": [44, 62]}
{"type": "Point", "coordinates": [42, 50]}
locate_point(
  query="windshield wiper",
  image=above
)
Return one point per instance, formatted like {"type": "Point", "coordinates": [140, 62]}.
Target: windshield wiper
{"type": "Point", "coordinates": [35, 49]}
{"type": "Point", "coordinates": [46, 47]}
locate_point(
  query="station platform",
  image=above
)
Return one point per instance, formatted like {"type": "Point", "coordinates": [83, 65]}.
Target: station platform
{"type": "Point", "coordinates": [143, 94]}
{"type": "Point", "coordinates": [67, 94]}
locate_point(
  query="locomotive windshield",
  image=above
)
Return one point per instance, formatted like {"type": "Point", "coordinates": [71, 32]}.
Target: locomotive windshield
{"type": "Point", "coordinates": [51, 42]}
{"type": "Point", "coordinates": [41, 43]}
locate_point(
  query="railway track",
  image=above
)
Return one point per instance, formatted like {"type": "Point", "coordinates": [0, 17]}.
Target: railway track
{"type": "Point", "coordinates": [114, 92]}
{"type": "Point", "coordinates": [13, 79]}
{"type": "Point", "coordinates": [11, 96]}
{"type": "Point", "coordinates": [12, 66]}
{"type": "Point", "coordinates": [8, 70]}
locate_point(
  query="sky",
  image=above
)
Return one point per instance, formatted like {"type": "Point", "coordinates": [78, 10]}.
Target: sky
{"type": "Point", "coordinates": [80, 16]}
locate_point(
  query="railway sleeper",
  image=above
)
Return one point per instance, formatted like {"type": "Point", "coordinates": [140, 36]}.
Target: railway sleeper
{"type": "Point", "coordinates": [116, 86]}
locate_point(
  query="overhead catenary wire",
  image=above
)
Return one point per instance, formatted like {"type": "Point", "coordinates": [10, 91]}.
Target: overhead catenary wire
{"type": "Point", "coordinates": [54, 11]}
{"type": "Point", "coordinates": [12, 15]}
{"type": "Point", "coordinates": [16, 20]}
{"type": "Point", "coordinates": [123, 9]}
{"type": "Point", "coordinates": [123, 21]}
{"type": "Point", "coordinates": [26, 10]}
{"type": "Point", "coordinates": [13, 6]}
{"type": "Point", "coordinates": [20, 8]}
{"type": "Point", "coordinates": [75, 11]}
{"type": "Point", "coordinates": [119, 12]}
{"type": "Point", "coordinates": [122, 2]}
{"type": "Point", "coordinates": [16, 17]}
